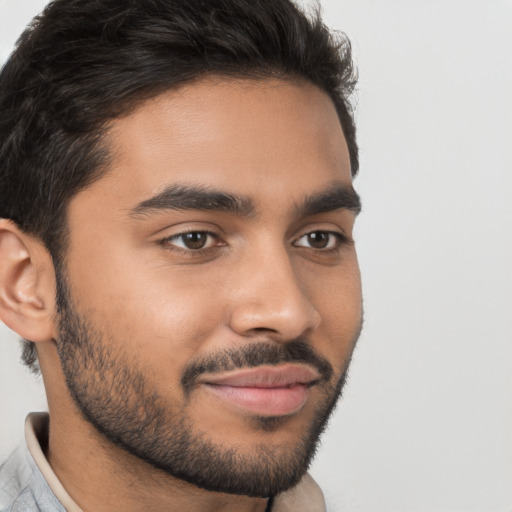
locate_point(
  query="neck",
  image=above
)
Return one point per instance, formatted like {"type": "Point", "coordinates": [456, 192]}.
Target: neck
{"type": "Point", "coordinates": [102, 477]}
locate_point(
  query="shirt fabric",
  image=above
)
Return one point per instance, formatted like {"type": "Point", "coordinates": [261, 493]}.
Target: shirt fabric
{"type": "Point", "coordinates": [28, 483]}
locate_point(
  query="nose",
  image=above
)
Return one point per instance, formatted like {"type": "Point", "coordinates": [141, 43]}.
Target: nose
{"type": "Point", "coordinates": [270, 300]}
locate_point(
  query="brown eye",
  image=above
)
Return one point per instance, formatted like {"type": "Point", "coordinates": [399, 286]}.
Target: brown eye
{"type": "Point", "coordinates": [196, 240]}
{"type": "Point", "coordinates": [191, 241]}
{"type": "Point", "coordinates": [320, 240]}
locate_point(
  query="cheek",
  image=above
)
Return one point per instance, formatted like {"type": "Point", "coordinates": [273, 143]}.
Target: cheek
{"type": "Point", "coordinates": [158, 318]}
{"type": "Point", "coordinates": [336, 294]}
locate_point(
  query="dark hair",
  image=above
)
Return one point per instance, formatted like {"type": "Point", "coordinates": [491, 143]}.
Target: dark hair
{"type": "Point", "coordinates": [82, 63]}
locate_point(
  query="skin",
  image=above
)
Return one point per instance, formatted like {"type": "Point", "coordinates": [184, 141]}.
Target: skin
{"type": "Point", "coordinates": [162, 305]}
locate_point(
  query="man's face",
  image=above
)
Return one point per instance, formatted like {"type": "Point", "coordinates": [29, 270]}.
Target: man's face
{"type": "Point", "coordinates": [212, 288]}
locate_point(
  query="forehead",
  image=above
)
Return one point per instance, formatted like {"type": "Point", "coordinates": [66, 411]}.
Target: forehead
{"type": "Point", "coordinates": [266, 137]}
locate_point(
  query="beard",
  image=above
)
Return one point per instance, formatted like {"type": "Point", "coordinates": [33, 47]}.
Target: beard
{"type": "Point", "coordinates": [118, 398]}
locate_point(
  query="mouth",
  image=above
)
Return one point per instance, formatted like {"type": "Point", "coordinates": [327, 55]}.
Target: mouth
{"type": "Point", "coordinates": [265, 390]}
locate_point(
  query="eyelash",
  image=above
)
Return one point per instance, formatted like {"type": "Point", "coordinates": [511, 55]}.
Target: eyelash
{"type": "Point", "coordinates": [168, 242]}
{"type": "Point", "coordinates": [340, 240]}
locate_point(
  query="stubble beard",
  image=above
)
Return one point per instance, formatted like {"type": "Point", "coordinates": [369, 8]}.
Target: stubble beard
{"type": "Point", "coordinates": [114, 395]}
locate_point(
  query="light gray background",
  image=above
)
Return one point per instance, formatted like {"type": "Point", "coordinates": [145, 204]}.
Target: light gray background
{"type": "Point", "coordinates": [426, 420]}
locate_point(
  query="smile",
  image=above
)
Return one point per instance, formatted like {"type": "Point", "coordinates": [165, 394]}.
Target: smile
{"type": "Point", "coordinates": [265, 391]}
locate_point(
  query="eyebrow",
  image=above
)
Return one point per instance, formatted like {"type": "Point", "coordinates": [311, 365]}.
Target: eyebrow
{"type": "Point", "coordinates": [186, 197]}
{"type": "Point", "coordinates": [340, 196]}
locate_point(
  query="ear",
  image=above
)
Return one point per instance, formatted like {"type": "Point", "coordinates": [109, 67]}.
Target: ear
{"type": "Point", "coordinates": [27, 284]}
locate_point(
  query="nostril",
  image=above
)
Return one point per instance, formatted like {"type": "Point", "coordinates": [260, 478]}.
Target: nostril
{"type": "Point", "coordinates": [263, 329]}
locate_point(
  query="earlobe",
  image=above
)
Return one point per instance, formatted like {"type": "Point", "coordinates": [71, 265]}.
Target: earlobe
{"type": "Point", "coordinates": [26, 284]}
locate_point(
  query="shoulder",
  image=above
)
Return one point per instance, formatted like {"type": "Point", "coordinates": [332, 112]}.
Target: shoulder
{"type": "Point", "coordinates": [14, 477]}
{"type": "Point", "coordinates": [20, 488]}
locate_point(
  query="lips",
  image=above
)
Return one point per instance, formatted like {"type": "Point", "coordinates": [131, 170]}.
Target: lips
{"type": "Point", "coordinates": [265, 390]}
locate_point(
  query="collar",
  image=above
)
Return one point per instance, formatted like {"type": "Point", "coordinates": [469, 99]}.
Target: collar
{"type": "Point", "coordinates": [36, 431]}
{"type": "Point", "coordinates": [306, 496]}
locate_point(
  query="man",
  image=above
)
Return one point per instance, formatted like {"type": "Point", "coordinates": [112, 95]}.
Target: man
{"type": "Point", "coordinates": [176, 244]}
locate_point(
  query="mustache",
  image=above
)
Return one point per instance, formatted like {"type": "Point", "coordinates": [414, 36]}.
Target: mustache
{"type": "Point", "coordinates": [258, 354]}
